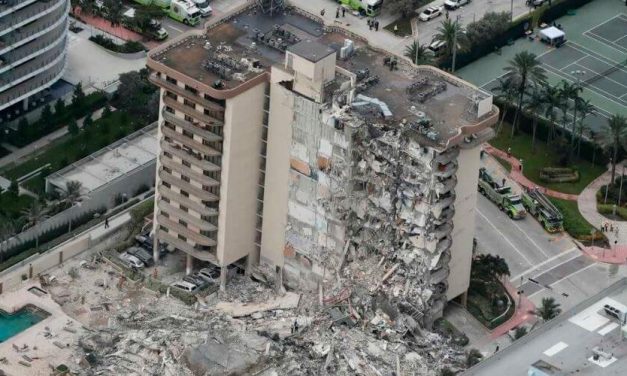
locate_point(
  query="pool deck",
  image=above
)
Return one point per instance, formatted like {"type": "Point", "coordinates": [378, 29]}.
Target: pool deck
{"type": "Point", "coordinates": [41, 350]}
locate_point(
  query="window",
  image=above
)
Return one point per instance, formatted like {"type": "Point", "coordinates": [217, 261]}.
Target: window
{"type": "Point", "coordinates": [186, 164]}
{"type": "Point", "coordinates": [184, 194]}
{"type": "Point", "coordinates": [163, 228]}
{"type": "Point", "coordinates": [182, 237]}
{"type": "Point", "coordinates": [185, 178]}
{"type": "Point", "coordinates": [183, 208]}
{"type": "Point", "coordinates": [189, 103]}
{"type": "Point", "coordinates": [183, 223]}
{"type": "Point", "coordinates": [169, 109]}
{"type": "Point", "coordinates": [191, 89]}
{"type": "Point", "coordinates": [188, 134]}
{"type": "Point", "coordinates": [167, 155]}
{"type": "Point", "coordinates": [166, 184]}
{"type": "Point", "coordinates": [165, 199]}
{"type": "Point", "coordinates": [168, 170]}
{"type": "Point", "coordinates": [170, 80]}
{"type": "Point", "coordinates": [170, 94]}
{"type": "Point", "coordinates": [189, 118]}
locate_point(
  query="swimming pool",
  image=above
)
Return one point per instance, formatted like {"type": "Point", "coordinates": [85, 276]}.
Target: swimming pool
{"type": "Point", "coordinates": [14, 323]}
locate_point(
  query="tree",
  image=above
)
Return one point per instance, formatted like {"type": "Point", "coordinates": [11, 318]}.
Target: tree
{"type": "Point", "coordinates": [585, 109]}
{"type": "Point", "coordinates": [87, 121]}
{"type": "Point", "coordinates": [486, 28]}
{"type": "Point", "coordinates": [73, 128]}
{"type": "Point", "coordinates": [59, 109]}
{"type": "Point", "coordinates": [522, 70]}
{"type": "Point", "coordinates": [447, 32]}
{"type": "Point", "coordinates": [549, 309]}
{"type": "Point", "coordinates": [137, 96]}
{"type": "Point", "coordinates": [419, 54]}
{"type": "Point", "coordinates": [72, 195]}
{"type": "Point", "coordinates": [506, 92]}
{"type": "Point", "coordinates": [47, 117]}
{"type": "Point", "coordinates": [114, 11]}
{"type": "Point", "coordinates": [534, 106]}
{"type": "Point", "coordinates": [33, 216]}
{"type": "Point", "coordinates": [552, 102]}
{"type": "Point", "coordinates": [7, 229]}
{"type": "Point", "coordinates": [404, 7]}
{"type": "Point", "coordinates": [570, 92]}
{"type": "Point", "coordinates": [612, 136]}
{"type": "Point", "coordinates": [14, 188]}
{"type": "Point", "coordinates": [520, 332]}
{"type": "Point", "coordinates": [473, 357]}
{"type": "Point", "coordinates": [486, 266]}
{"type": "Point", "coordinates": [106, 112]}
{"type": "Point", "coordinates": [78, 97]}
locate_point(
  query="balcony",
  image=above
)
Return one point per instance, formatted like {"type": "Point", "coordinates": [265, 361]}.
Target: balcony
{"type": "Point", "coordinates": [195, 114]}
{"type": "Point", "coordinates": [187, 187]}
{"type": "Point", "coordinates": [11, 6]}
{"type": "Point", "coordinates": [186, 232]}
{"type": "Point", "coordinates": [187, 248]}
{"type": "Point", "coordinates": [445, 170]}
{"type": "Point", "coordinates": [32, 68]}
{"type": "Point", "coordinates": [188, 155]}
{"type": "Point", "coordinates": [28, 14]}
{"type": "Point", "coordinates": [34, 30]}
{"type": "Point", "coordinates": [184, 170]}
{"type": "Point", "coordinates": [32, 86]}
{"type": "Point", "coordinates": [190, 127]}
{"type": "Point", "coordinates": [28, 51]}
{"type": "Point", "coordinates": [187, 217]}
{"type": "Point", "coordinates": [186, 201]}
{"type": "Point", "coordinates": [192, 144]}
{"type": "Point", "coordinates": [185, 93]}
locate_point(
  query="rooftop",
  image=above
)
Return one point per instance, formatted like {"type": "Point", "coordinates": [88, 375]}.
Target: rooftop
{"type": "Point", "coordinates": [567, 344]}
{"type": "Point", "coordinates": [112, 162]}
{"type": "Point", "coordinates": [439, 107]}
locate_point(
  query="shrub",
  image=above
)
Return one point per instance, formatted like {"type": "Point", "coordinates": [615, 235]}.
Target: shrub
{"type": "Point", "coordinates": [109, 44]}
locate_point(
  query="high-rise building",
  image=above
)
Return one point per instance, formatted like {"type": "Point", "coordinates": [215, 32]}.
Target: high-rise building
{"type": "Point", "coordinates": [33, 47]}
{"type": "Point", "coordinates": [290, 146]}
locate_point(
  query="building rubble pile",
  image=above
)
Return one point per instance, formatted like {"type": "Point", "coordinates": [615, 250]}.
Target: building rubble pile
{"type": "Point", "coordinates": [309, 340]}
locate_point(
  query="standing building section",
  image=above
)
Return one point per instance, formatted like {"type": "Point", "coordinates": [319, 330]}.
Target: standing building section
{"type": "Point", "coordinates": [336, 165]}
{"type": "Point", "coordinates": [33, 46]}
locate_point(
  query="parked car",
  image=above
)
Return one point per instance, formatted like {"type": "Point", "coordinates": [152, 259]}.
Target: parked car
{"type": "Point", "coordinates": [430, 13]}
{"type": "Point", "coordinates": [196, 280]}
{"type": "Point", "coordinates": [142, 254]}
{"type": "Point", "coordinates": [131, 261]}
{"type": "Point", "coordinates": [455, 4]}
{"type": "Point", "coordinates": [185, 286]}
{"type": "Point", "coordinates": [210, 274]}
{"type": "Point", "coordinates": [145, 241]}
{"type": "Point", "coordinates": [437, 47]}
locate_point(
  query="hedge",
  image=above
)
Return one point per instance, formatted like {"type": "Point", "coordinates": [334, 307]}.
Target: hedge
{"type": "Point", "coordinates": [479, 49]}
{"type": "Point", "coordinates": [127, 48]}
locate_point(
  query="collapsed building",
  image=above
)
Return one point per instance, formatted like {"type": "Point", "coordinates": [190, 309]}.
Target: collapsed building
{"type": "Point", "coordinates": [332, 166]}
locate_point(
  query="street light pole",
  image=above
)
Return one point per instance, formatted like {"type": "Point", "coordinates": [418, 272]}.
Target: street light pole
{"type": "Point", "coordinates": [607, 187]}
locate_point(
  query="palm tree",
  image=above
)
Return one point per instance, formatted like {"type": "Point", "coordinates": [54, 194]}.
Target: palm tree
{"type": "Point", "coordinates": [419, 54]}
{"type": "Point", "coordinates": [570, 92]}
{"type": "Point", "coordinates": [507, 92]}
{"type": "Point", "coordinates": [449, 31]}
{"type": "Point", "coordinates": [552, 102]}
{"type": "Point", "coordinates": [522, 70]}
{"type": "Point", "coordinates": [585, 108]}
{"type": "Point", "coordinates": [534, 105]}
{"type": "Point", "coordinates": [7, 229]}
{"type": "Point", "coordinates": [549, 309]}
{"type": "Point", "coordinates": [33, 216]}
{"type": "Point", "coordinates": [72, 195]}
{"type": "Point", "coordinates": [612, 136]}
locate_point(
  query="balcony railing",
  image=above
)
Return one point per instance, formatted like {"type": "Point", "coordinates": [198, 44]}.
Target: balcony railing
{"type": "Point", "coordinates": [37, 47]}
{"type": "Point", "coordinates": [186, 201]}
{"type": "Point", "coordinates": [191, 143]}
{"type": "Point", "coordinates": [190, 156]}
{"type": "Point", "coordinates": [194, 97]}
{"type": "Point", "coordinates": [194, 128]}
{"type": "Point", "coordinates": [186, 216]}
{"type": "Point", "coordinates": [28, 14]}
{"type": "Point", "coordinates": [33, 30]}
{"type": "Point", "coordinates": [10, 6]}
{"type": "Point", "coordinates": [182, 230]}
{"type": "Point", "coordinates": [184, 170]}
{"type": "Point", "coordinates": [32, 86]}
{"type": "Point", "coordinates": [187, 248]}
{"type": "Point", "coordinates": [187, 187]}
{"type": "Point", "coordinates": [33, 67]}
{"type": "Point", "coordinates": [194, 113]}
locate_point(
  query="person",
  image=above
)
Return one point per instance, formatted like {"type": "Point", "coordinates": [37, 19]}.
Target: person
{"type": "Point", "coordinates": [106, 222]}
{"type": "Point", "coordinates": [446, 14]}
{"type": "Point", "coordinates": [376, 25]}
{"type": "Point", "coordinates": [611, 227]}
{"type": "Point", "coordinates": [322, 12]}
{"type": "Point", "coordinates": [509, 152]}
{"type": "Point", "coordinates": [395, 29]}
{"type": "Point", "coordinates": [343, 11]}
{"type": "Point", "coordinates": [370, 24]}
{"type": "Point", "coordinates": [337, 12]}
{"type": "Point", "coordinates": [503, 182]}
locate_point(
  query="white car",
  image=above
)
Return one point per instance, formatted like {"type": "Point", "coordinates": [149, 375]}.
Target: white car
{"type": "Point", "coordinates": [454, 4]}
{"type": "Point", "coordinates": [203, 6]}
{"type": "Point", "coordinates": [131, 261]}
{"type": "Point", "coordinates": [209, 274]}
{"type": "Point", "coordinates": [185, 286]}
{"type": "Point", "coordinates": [430, 13]}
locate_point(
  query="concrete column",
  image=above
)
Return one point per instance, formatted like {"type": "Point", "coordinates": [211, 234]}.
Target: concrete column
{"type": "Point", "coordinates": [223, 271]}
{"type": "Point", "coordinates": [189, 265]}
{"type": "Point", "coordinates": [464, 299]}
{"type": "Point", "coordinates": [25, 104]}
{"type": "Point", "coordinates": [155, 248]}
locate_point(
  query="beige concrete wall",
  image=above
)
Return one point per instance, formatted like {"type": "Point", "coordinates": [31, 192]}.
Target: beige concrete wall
{"type": "Point", "coordinates": [463, 222]}
{"type": "Point", "coordinates": [310, 77]}
{"type": "Point", "coordinates": [277, 174]}
{"type": "Point", "coordinates": [239, 176]}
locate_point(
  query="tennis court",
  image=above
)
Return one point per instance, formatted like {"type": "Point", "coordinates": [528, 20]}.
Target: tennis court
{"type": "Point", "coordinates": [612, 32]}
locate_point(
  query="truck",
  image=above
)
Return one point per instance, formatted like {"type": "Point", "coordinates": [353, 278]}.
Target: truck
{"type": "Point", "coordinates": [501, 195]}
{"type": "Point", "coordinates": [149, 27]}
{"type": "Point", "coordinates": [539, 206]}
{"type": "Point", "coordinates": [369, 8]}
{"type": "Point", "coordinates": [184, 11]}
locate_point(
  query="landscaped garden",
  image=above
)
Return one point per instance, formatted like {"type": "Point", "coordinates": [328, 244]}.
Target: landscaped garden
{"type": "Point", "coordinates": [488, 300]}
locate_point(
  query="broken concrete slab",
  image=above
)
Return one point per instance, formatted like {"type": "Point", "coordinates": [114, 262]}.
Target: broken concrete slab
{"type": "Point", "coordinates": [235, 309]}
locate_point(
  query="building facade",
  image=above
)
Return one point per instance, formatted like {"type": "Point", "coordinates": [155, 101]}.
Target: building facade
{"type": "Point", "coordinates": [313, 155]}
{"type": "Point", "coordinates": [33, 47]}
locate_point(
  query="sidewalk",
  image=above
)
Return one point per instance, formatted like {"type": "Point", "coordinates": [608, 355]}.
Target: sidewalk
{"type": "Point", "coordinates": [516, 174]}
{"type": "Point", "coordinates": [524, 313]}
{"type": "Point", "coordinates": [27, 150]}
{"type": "Point", "coordinates": [104, 25]}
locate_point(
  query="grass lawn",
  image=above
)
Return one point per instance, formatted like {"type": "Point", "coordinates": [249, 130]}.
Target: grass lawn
{"type": "Point", "coordinates": [12, 206]}
{"type": "Point", "coordinates": [574, 223]}
{"type": "Point", "coordinates": [69, 149]}
{"type": "Point", "coordinates": [404, 26]}
{"type": "Point", "coordinates": [36, 184]}
{"type": "Point", "coordinates": [481, 307]}
{"type": "Point", "coordinates": [544, 156]}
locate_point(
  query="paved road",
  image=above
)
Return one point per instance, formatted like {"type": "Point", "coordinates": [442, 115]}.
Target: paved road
{"type": "Point", "coordinates": [220, 7]}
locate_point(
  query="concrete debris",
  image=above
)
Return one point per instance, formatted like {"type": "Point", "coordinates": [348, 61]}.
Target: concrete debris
{"type": "Point", "coordinates": [288, 301]}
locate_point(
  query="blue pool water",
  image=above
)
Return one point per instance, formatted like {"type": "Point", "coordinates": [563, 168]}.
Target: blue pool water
{"type": "Point", "coordinates": [12, 324]}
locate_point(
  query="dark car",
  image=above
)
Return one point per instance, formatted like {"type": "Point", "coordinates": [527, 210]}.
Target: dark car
{"type": "Point", "coordinates": [142, 254]}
